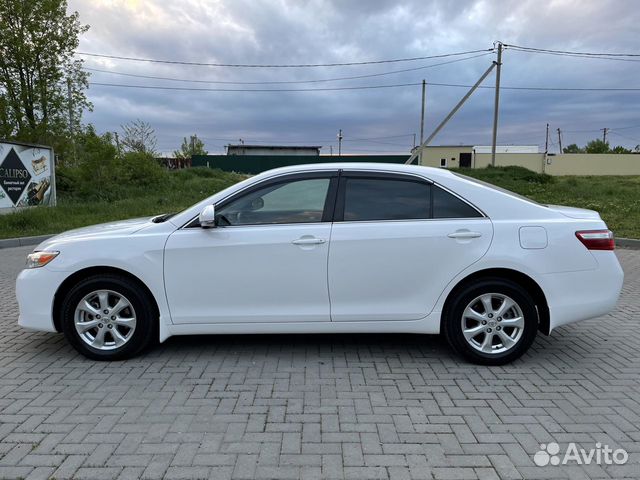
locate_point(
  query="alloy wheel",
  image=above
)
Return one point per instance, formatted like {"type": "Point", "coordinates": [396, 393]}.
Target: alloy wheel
{"type": "Point", "coordinates": [105, 319]}
{"type": "Point", "coordinates": [492, 323]}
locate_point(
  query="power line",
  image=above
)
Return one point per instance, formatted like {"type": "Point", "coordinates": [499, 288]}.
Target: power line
{"type": "Point", "coordinates": [368, 87]}
{"type": "Point", "coordinates": [222, 82]}
{"type": "Point", "coordinates": [628, 127]}
{"type": "Point", "coordinates": [574, 55]}
{"type": "Point", "coordinates": [296, 65]}
{"type": "Point", "coordinates": [376, 142]}
{"type": "Point", "coordinates": [350, 149]}
{"type": "Point", "coordinates": [193, 89]}
{"type": "Point", "coordinates": [623, 136]}
{"type": "Point", "coordinates": [589, 54]}
{"type": "Point", "coordinates": [599, 129]}
{"type": "Point", "coordinates": [370, 139]}
{"type": "Point", "coordinates": [583, 131]}
{"type": "Point", "coordinates": [387, 136]}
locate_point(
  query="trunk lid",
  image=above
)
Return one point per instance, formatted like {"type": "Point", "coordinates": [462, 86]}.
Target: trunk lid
{"type": "Point", "coordinates": [573, 212]}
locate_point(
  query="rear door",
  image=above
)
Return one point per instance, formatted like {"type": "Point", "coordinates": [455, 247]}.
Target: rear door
{"type": "Point", "coordinates": [396, 242]}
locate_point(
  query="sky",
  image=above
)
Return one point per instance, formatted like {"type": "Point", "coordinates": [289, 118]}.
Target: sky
{"type": "Point", "coordinates": [375, 120]}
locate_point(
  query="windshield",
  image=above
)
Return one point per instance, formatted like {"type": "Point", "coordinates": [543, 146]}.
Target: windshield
{"type": "Point", "coordinates": [499, 189]}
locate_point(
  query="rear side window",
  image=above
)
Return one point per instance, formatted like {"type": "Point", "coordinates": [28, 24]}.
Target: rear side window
{"type": "Point", "coordinates": [446, 205]}
{"type": "Point", "coordinates": [386, 199]}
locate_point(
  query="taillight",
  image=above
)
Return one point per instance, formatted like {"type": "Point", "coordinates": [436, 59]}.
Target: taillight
{"type": "Point", "coordinates": [596, 239]}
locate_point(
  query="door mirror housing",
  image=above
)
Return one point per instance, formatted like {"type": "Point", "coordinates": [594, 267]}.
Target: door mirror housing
{"type": "Point", "coordinates": [207, 217]}
{"type": "Point", "coordinates": [257, 204]}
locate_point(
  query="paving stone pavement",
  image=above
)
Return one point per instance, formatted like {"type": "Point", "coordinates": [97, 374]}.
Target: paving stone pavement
{"type": "Point", "coordinates": [296, 406]}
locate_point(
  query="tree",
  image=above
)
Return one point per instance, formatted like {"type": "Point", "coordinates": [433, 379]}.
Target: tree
{"type": "Point", "coordinates": [97, 162]}
{"type": "Point", "coordinates": [620, 149]}
{"type": "Point", "coordinates": [194, 146]}
{"type": "Point", "coordinates": [139, 137]}
{"type": "Point", "coordinates": [573, 148]}
{"type": "Point", "coordinates": [37, 68]}
{"type": "Point", "coordinates": [597, 146]}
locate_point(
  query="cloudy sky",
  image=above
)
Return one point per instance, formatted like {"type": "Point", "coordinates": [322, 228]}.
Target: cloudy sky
{"type": "Point", "coordinates": [339, 31]}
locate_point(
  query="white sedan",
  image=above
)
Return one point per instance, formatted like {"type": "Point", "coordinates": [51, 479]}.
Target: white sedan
{"type": "Point", "coordinates": [344, 248]}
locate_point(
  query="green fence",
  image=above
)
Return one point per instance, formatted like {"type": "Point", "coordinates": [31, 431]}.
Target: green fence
{"type": "Point", "coordinates": [259, 163]}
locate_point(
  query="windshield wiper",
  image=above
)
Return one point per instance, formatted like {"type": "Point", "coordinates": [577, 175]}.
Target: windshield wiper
{"type": "Point", "coordinates": [162, 218]}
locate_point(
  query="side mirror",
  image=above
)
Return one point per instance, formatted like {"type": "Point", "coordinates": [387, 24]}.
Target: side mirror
{"type": "Point", "coordinates": [257, 204]}
{"type": "Point", "coordinates": [207, 217]}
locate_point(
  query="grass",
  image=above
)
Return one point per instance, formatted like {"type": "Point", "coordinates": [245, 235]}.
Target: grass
{"type": "Point", "coordinates": [616, 198]}
{"type": "Point", "coordinates": [176, 191]}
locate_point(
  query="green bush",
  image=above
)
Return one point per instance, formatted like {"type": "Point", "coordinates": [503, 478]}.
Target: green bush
{"type": "Point", "coordinates": [138, 169]}
{"type": "Point", "coordinates": [67, 181]}
{"type": "Point", "coordinates": [98, 173]}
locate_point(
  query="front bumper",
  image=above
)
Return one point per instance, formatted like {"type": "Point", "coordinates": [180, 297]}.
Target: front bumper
{"type": "Point", "coordinates": [35, 291]}
{"type": "Point", "coordinates": [574, 296]}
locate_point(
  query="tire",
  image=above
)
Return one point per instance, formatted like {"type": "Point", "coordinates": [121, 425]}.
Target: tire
{"type": "Point", "coordinates": [499, 340]}
{"type": "Point", "coordinates": [129, 326]}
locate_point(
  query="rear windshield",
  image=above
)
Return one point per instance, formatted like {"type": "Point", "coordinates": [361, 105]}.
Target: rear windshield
{"type": "Point", "coordinates": [499, 189]}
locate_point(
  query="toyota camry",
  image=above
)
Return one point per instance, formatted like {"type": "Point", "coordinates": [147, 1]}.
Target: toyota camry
{"type": "Point", "coordinates": [342, 248]}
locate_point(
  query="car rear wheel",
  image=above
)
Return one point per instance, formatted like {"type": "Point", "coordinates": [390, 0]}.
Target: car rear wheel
{"type": "Point", "coordinates": [491, 322]}
{"type": "Point", "coordinates": [108, 317]}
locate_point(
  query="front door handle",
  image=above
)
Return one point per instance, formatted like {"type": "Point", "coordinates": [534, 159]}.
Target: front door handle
{"type": "Point", "coordinates": [309, 241]}
{"type": "Point", "coordinates": [464, 234]}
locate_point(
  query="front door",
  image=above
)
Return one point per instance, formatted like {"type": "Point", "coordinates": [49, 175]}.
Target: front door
{"type": "Point", "coordinates": [265, 261]}
{"type": "Point", "coordinates": [396, 244]}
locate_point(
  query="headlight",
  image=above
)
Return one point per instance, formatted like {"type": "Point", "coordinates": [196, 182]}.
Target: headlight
{"type": "Point", "coordinates": [40, 259]}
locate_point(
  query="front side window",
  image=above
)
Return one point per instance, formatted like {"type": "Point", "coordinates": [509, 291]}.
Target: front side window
{"type": "Point", "coordinates": [297, 201]}
{"type": "Point", "coordinates": [386, 199]}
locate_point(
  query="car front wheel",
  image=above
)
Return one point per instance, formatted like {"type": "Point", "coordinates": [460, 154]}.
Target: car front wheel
{"type": "Point", "coordinates": [108, 317]}
{"type": "Point", "coordinates": [491, 322]}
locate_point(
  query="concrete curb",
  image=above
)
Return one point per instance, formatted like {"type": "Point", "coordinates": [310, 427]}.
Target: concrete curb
{"type": "Point", "coordinates": [628, 243]}
{"type": "Point", "coordinates": [23, 241]}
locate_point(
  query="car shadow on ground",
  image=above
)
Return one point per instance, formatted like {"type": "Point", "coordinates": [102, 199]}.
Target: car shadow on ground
{"type": "Point", "coordinates": [561, 348]}
{"type": "Point", "coordinates": [404, 347]}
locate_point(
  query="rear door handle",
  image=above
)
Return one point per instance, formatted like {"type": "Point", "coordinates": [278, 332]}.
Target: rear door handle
{"type": "Point", "coordinates": [309, 241]}
{"type": "Point", "coordinates": [464, 235]}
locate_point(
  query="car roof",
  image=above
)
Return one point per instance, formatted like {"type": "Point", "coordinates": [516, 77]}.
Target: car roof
{"type": "Point", "coordinates": [429, 172]}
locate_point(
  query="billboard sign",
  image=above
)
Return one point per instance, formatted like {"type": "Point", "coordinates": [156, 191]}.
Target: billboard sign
{"type": "Point", "coordinates": [27, 176]}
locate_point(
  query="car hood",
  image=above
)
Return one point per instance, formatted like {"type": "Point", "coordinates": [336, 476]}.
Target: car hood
{"type": "Point", "coordinates": [573, 212]}
{"type": "Point", "coordinates": [121, 227]}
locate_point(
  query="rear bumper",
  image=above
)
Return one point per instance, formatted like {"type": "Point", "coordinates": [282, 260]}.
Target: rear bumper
{"type": "Point", "coordinates": [575, 296]}
{"type": "Point", "coordinates": [35, 291]}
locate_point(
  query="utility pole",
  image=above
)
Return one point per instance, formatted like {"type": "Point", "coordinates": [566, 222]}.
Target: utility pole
{"type": "Point", "coordinates": [424, 99]}
{"type": "Point", "coordinates": [117, 142]}
{"type": "Point", "coordinates": [331, 150]}
{"type": "Point", "coordinates": [560, 140]}
{"type": "Point", "coordinates": [70, 106]}
{"type": "Point", "coordinates": [340, 143]}
{"type": "Point", "coordinates": [496, 105]}
{"type": "Point", "coordinates": [414, 140]}
{"type": "Point", "coordinates": [546, 141]}
{"type": "Point", "coordinates": [71, 129]}
{"type": "Point", "coordinates": [193, 144]}
{"type": "Point", "coordinates": [604, 134]}
{"type": "Point", "coordinates": [451, 114]}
